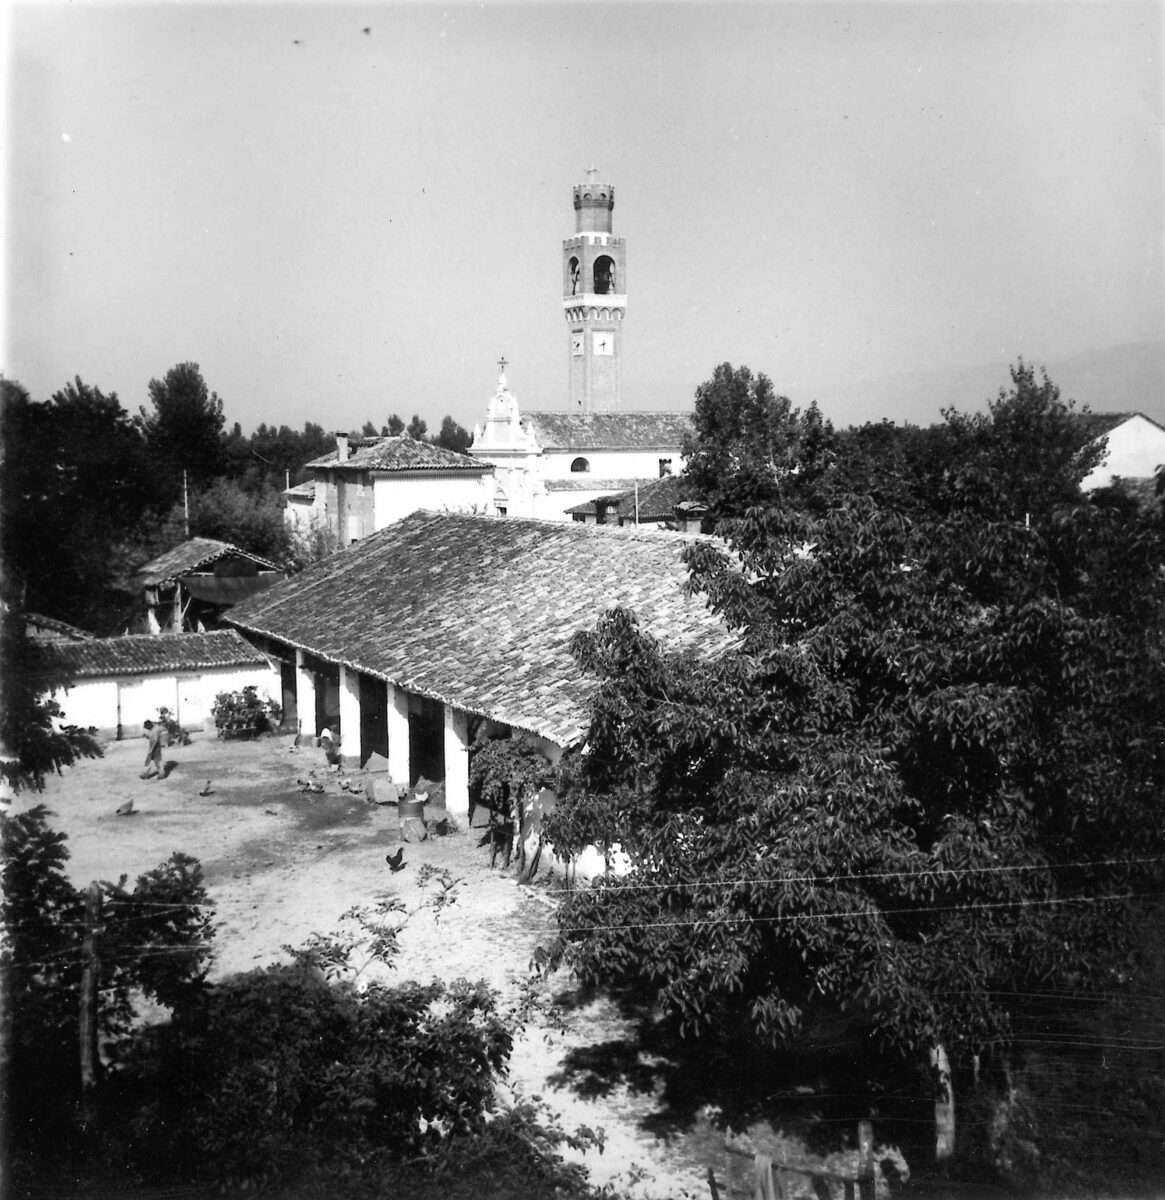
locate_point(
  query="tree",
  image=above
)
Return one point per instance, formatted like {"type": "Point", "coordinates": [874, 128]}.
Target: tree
{"type": "Point", "coordinates": [417, 429]}
{"type": "Point", "coordinates": [184, 431]}
{"type": "Point", "coordinates": [253, 521]}
{"type": "Point", "coordinates": [75, 478]}
{"type": "Point", "coordinates": [154, 942]}
{"type": "Point", "coordinates": [394, 427]}
{"type": "Point", "coordinates": [34, 739]}
{"type": "Point", "coordinates": [453, 436]}
{"type": "Point", "coordinates": [921, 791]}
{"type": "Point", "coordinates": [749, 443]}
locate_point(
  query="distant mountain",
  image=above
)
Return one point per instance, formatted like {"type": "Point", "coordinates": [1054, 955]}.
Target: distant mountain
{"type": "Point", "coordinates": [1128, 378]}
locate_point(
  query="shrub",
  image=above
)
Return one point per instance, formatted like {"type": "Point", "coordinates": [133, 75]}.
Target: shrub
{"type": "Point", "coordinates": [245, 713]}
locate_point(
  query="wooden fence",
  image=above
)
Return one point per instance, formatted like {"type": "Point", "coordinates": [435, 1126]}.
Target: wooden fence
{"type": "Point", "coordinates": [770, 1176]}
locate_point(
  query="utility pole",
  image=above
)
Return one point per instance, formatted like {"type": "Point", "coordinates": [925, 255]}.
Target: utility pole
{"type": "Point", "coordinates": [88, 1024]}
{"type": "Point", "coordinates": [185, 507]}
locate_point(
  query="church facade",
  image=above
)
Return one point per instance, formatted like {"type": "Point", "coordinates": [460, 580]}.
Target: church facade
{"type": "Point", "coordinates": [546, 461]}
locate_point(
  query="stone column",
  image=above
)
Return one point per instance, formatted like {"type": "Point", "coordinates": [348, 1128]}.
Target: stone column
{"type": "Point", "coordinates": [305, 697]}
{"type": "Point", "coordinates": [349, 717]}
{"type": "Point", "coordinates": [457, 764]}
{"type": "Point", "coordinates": [398, 735]}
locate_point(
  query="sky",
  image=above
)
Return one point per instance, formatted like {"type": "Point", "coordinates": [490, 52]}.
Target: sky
{"type": "Point", "coordinates": [345, 211]}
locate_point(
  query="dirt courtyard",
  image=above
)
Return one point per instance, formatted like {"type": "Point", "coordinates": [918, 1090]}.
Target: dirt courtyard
{"type": "Point", "coordinates": [280, 864]}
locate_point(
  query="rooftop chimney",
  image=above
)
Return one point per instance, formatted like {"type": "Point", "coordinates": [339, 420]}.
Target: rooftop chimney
{"type": "Point", "coordinates": [341, 446]}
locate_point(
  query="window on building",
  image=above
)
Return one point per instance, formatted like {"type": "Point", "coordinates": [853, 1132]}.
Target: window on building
{"type": "Point", "coordinates": [604, 275]}
{"type": "Point", "coordinates": [574, 276]}
{"type": "Point", "coordinates": [580, 464]}
{"type": "Point", "coordinates": [664, 467]}
{"type": "Point", "coordinates": [501, 510]}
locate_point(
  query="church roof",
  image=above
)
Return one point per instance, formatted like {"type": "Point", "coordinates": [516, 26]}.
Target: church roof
{"type": "Point", "coordinates": [609, 430]}
{"type": "Point", "coordinates": [146, 654]}
{"type": "Point", "coordinates": [402, 453]}
{"type": "Point", "coordinates": [478, 612]}
{"type": "Point", "coordinates": [195, 554]}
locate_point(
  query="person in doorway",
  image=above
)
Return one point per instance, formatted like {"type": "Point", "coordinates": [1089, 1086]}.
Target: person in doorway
{"type": "Point", "coordinates": [153, 749]}
{"type": "Point", "coordinates": [330, 745]}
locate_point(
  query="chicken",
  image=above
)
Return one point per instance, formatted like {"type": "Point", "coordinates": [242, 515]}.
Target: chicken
{"type": "Point", "coordinates": [396, 862]}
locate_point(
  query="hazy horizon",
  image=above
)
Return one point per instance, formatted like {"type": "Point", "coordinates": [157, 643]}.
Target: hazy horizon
{"type": "Point", "coordinates": [337, 225]}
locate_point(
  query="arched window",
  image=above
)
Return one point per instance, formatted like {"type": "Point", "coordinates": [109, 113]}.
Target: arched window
{"type": "Point", "coordinates": [580, 464]}
{"type": "Point", "coordinates": [574, 273]}
{"type": "Point", "coordinates": [604, 275]}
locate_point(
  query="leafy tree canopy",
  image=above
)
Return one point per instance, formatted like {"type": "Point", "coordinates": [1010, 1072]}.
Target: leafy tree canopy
{"type": "Point", "coordinates": [75, 468]}
{"type": "Point", "coordinates": [924, 787]}
{"type": "Point", "coordinates": [185, 429]}
{"type": "Point", "coordinates": [453, 436]}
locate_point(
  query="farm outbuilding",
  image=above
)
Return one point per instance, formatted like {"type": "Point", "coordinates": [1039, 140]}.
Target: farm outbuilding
{"type": "Point", "coordinates": [120, 682]}
{"type": "Point", "coordinates": [188, 588]}
{"type": "Point", "coordinates": [443, 622]}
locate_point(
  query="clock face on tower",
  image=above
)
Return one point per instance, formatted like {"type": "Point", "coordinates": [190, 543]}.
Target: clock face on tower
{"type": "Point", "coordinates": [576, 343]}
{"type": "Point", "coordinates": [604, 343]}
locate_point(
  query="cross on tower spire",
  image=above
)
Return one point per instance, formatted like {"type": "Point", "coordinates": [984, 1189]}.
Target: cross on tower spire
{"type": "Point", "coordinates": [502, 364]}
{"type": "Point", "coordinates": [592, 171]}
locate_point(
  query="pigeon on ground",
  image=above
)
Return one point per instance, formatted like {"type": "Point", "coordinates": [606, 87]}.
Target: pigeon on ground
{"type": "Point", "coordinates": [396, 861]}
{"type": "Point", "coordinates": [207, 791]}
{"type": "Point", "coordinates": [127, 809]}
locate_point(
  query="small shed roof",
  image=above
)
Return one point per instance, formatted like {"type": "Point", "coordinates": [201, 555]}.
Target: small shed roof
{"type": "Point", "coordinates": [478, 612]}
{"type": "Point", "coordinates": [151, 654]}
{"type": "Point", "coordinates": [49, 629]}
{"type": "Point", "coordinates": [195, 554]}
{"type": "Point", "coordinates": [657, 499]}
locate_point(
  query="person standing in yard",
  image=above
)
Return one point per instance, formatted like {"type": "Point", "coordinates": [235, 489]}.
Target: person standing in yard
{"type": "Point", "coordinates": [153, 749]}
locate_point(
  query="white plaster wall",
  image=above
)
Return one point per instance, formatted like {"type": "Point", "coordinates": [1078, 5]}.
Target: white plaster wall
{"type": "Point", "coordinates": [396, 497]}
{"type": "Point", "coordinates": [1135, 450]}
{"type": "Point", "coordinates": [298, 516]}
{"type": "Point", "coordinates": [610, 464]}
{"type": "Point", "coordinates": [188, 695]}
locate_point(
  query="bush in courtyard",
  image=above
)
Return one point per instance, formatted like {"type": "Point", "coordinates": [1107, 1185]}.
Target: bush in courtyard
{"type": "Point", "coordinates": [245, 713]}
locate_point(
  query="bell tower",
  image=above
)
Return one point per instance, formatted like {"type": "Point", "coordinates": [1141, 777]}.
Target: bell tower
{"type": "Point", "coordinates": [594, 300]}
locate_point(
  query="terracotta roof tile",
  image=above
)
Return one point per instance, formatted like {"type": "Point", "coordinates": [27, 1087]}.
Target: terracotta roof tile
{"type": "Point", "coordinates": [192, 555]}
{"type": "Point", "coordinates": [402, 454]}
{"type": "Point", "coordinates": [479, 612]}
{"type": "Point", "coordinates": [148, 654]}
{"type": "Point", "coordinates": [657, 499]}
{"type": "Point", "coordinates": [609, 431]}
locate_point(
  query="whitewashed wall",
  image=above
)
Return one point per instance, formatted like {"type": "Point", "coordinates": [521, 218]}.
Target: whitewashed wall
{"type": "Point", "coordinates": [609, 464]}
{"type": "Point", "coordinates": [129, 700]}
{"type": "Point", "coordinates": [1136, 449]}
{"type": "Point", "coordinates": [395, 497]}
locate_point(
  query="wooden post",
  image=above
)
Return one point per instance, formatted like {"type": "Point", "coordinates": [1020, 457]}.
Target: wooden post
{"type": "Point", "coordinates": [712, 1185]}
{"type": "Point", "coordinates": [88, 1024]}
{"type": "Point", "coordinates": [944, 1105]}
{"type": "Point", "coordinates": [867, 1180]}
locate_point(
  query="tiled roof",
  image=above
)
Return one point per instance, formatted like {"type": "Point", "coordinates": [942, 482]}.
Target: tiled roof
{"type": "Point", "coordinates": [478, 612]}
{"type": "Point", "coordinates": [1101, 423]}
{"type": "Point", "coordinates": [609, 430]}
{"type": "Point", "coordinates": [149, 654]}
{"type": "Point", "coordinates": [657, 499]}
{"type": "Point", "coordinates": [402, 454]}
{"type": "Point", "coordinates": [303, 490]}
{"type": "Point", "coordinates": [50, 629]}
{"type": "Point", "coordinates": [194, 555]}
{"type": "Point", "coordinates": [584, 483]}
